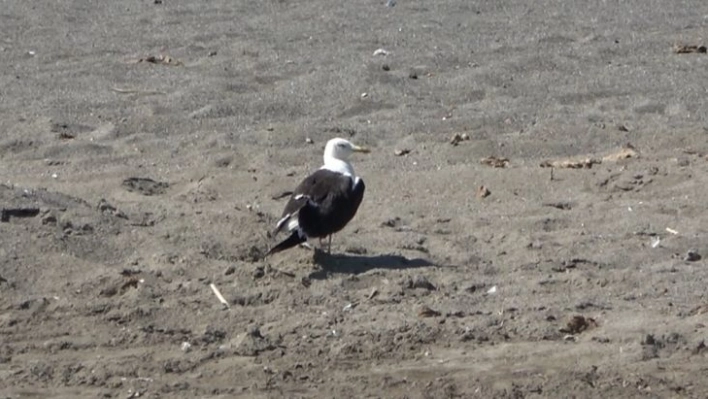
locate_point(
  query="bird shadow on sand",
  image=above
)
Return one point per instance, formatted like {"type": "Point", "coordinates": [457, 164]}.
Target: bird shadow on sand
{"type": "Point", "coordinates": [357, 264]}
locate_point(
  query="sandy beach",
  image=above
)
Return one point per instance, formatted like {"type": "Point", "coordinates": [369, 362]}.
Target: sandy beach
{"type": "Point", "coordinates": [534, 223]}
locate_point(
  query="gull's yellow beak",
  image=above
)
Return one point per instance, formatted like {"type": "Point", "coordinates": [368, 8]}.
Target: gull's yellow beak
{"type": "Point", "coordinates": [364, 150]}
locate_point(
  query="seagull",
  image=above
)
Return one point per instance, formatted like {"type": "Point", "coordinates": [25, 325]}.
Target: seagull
{"type": "Point", "coordinates": [325, 201]}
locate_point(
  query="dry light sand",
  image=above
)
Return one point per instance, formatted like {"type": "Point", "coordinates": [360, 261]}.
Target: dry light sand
{"type": "Point", "coordinates": [143, 145]}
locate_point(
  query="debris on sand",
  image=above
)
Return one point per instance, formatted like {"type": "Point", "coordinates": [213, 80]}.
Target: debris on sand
{"type": "Point", "coordinates": [680, 48]}
{"type": "Point", "coordinates": [578, 324]}
{"type": "Point", "coordinates": [495, 162]}
{"type": "Point", "coordinates": [586, 163]}
{"type": "Point", "coordinates": [392, 222]}
{"type": "Point", "coordinates": [483, 192]}
{"type": "Point", "coordinates": [655, 242]}
{"type": "Point", "coordinates": [7, 213]}
{"type": "Point", "coordinates": [219, 296]}
{"type": "Point", "coordinates": [625, 152]}
{"type": "Point", "coordinates": [65, 136]}
{"type": "Point", "coordinates": [426, 311]}
{"type": "Point", "coordinates": [380, 52]}
{"type": "Point", "coordinates": [564, 206]}
{"type": "Point", "coordinates": [692, 256]}
{"type": "Point", "coordinates": [457, 138]}
{"type": "Point", "coordinates": [161, 59]}
{"type": "Point", "coordinates": [401, 152]}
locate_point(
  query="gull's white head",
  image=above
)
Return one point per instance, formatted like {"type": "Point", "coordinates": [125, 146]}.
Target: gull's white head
{"type": "Point", "coordinates": [341, 149]}
{"type": "Point", "coordinates": [336, 154]}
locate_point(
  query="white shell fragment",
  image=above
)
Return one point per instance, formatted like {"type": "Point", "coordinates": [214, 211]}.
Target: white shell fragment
{"type": "Point", "coordinates": [655, 242]}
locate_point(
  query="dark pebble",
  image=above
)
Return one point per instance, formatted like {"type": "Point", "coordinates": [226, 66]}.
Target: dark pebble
{"type": "Point", "coordinates": [692, 256]}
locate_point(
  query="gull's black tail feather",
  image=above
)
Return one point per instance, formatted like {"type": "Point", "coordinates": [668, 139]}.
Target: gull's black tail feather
{"type": "Point", "coordinates": [294, 239]}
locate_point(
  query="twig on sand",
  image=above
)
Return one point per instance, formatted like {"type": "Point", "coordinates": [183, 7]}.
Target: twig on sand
{"type": "Point", "coordinates": [136, 91]}
{"type": "Point", "coordinates": [218, 295]}
{"type": "Point", "coordinates": [680, 48]}
{"type": "Point", "coordinates": [571, 164]}
{"type": "Point", "coordinates": [625, 152]}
